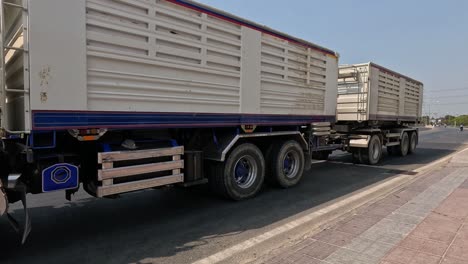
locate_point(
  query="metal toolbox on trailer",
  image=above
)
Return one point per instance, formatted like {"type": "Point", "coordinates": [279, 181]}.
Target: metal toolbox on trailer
{"type": "Point", "coordinates": [371, 92]}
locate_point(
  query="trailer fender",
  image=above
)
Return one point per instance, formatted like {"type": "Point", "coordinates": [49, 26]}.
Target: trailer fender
{"type": "Point", "coordinates": [408, 130]}
{"type": "Point", "coordinates": [362, 142]}
{"type": "Point", "coordinates": [223, 145]}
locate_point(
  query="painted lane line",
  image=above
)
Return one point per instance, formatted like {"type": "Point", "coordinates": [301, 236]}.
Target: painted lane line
{"type": "Point", "coordinates": [439, 161]}
{"type": "Point", "coordinates": [229, 252]}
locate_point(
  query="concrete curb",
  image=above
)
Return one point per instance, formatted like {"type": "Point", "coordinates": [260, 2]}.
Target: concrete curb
{"type": "Point", "coordinates": [331, 213]}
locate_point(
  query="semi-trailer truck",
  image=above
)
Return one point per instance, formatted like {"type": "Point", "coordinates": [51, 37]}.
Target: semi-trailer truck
{"type": "Point", "coordinates": [117, 96]}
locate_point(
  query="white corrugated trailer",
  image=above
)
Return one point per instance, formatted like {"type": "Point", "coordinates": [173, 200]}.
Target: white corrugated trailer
{"type": "Point", "coordinates": [377, 107]}
{"type": "Point", "coordinates": [102, 56]}
{"type": "Point", "coordinates": [123, 95]}
{"type": "Point", "coordinates": [371, 92]}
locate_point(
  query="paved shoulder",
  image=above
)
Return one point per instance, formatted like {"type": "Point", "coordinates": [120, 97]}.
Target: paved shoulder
{"type": "Point", "coordinates": [423, 223]}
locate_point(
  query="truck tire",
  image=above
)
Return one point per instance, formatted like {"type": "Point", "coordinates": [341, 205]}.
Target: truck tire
{"type": "Point", "coordinates": [413, 142]}
{"type": "Point", "coordinates": [242, 174]}
{"type": "Point", "coordinates": [373, 153]}
{"type": "Point", "coordinates": [404, 145]}
{"type": "Point", "coordinates": [286, 164]}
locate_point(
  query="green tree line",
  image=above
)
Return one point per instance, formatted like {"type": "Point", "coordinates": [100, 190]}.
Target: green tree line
{"type": "Point", "coordinates": [456, 120]}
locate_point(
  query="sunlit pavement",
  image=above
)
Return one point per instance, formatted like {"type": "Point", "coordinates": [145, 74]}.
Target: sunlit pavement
{"type": "Point", "coordinates": [178, 225]}
{"type": "Point", "coordinates": [424, 222]}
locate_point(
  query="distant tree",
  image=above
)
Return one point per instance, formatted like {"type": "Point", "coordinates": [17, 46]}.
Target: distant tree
{"type": "Point", "coordinates": [449, 120]}
{"type": "Point", "coordinates": [425, 120]}
{"type": "Point", "coordinates": [463, 119]}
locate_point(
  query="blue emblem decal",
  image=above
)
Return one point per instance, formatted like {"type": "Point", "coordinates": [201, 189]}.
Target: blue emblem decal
{"type": "Point", "coordinates": [62, 176]}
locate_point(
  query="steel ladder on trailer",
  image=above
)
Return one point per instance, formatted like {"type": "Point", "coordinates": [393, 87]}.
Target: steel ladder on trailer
{"type": "Point", "coordinates": [353, 84]}
{"type": "Point", "coordinates": [12, 41]}
{"type": "Point", "coordinates": [363, 96]}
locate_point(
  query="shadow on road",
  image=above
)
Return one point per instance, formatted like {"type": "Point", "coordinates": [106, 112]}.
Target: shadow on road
{"type": "Point", "coordinates": [165, 226]}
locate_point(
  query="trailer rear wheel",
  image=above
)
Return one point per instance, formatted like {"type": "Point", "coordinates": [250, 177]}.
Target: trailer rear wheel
{"type": "Point", "coordinates": [373, 153]}
{"type": "Point", "coordinates": [241, 176]}
{"type": "Point", "coordinates": [404, 145]}
{"type": "Point", "coordinates": [286, 162]}
{"type": "Point", "coordinates": [413, 142]}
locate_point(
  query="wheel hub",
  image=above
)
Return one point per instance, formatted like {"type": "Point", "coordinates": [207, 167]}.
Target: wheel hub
{"type": "Point", "coordinates": [245, 172]}
{"type": "Point", "coordinates": [290, 164]}
{"type": "Point", "coordinates": [376, 151]}
{"type": "Point", "coordinates": [413, 144]}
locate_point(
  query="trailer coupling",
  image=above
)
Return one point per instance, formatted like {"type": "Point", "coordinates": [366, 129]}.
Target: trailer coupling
{"type": "Point", "coordinates": [18, 189]}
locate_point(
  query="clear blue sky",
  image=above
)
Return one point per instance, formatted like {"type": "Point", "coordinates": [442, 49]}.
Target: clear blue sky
{"type": "Point", "coordinates": [427, 40]}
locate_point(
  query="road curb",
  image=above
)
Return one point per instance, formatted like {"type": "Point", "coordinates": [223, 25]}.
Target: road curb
{"type": "Point", "coordinates": [318, 220]}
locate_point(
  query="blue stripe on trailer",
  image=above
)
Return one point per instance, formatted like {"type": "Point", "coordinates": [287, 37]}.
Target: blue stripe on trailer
{"type": "Point", "coordinates": [62, 120]}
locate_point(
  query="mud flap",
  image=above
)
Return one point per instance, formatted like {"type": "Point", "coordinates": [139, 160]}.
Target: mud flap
{"type": "Point", "coordinates": [21, 189]}
{"type": "Point", "coordinates": [3, 200]}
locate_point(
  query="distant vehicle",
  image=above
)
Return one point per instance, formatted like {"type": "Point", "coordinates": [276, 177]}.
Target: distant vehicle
{"type": "Point", "coordinates": [375, 108]}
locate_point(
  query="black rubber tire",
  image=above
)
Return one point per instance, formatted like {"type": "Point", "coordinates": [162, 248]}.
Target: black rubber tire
{"type": "Point", "coordinates": [275, 163]}
{"type": "Point", "coordinates": [413, 142]}
{"type": "Point", "coordinates": [372, 154]}
{"type": "Point", "coordinates": [404, 145]}
{"type": "Point", "coordinates": [221, 175]}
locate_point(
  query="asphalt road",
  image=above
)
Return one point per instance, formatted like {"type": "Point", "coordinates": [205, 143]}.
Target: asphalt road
{"type": "Point", "coordinates": [184, 225]}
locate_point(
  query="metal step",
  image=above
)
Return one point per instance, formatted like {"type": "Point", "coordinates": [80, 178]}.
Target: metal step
{"type": "Point", "coordinates": [321, 124]}
{"type": "Point", "coordinates": [393, 135]}
{"type": "Point", "coordinates": [138, 185]}
{"type": "Point", "coordinates": [109, 172]}
{"type": "Point", "coordinates": [321, 129]}
{"type": "Point", "coordinates": [325, 133]}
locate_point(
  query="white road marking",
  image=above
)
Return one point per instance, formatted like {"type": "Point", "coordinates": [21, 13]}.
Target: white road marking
{"type": "Point", "coordinates": [229, 252]}
{"type": "Point", "coordinates": [439, 161]}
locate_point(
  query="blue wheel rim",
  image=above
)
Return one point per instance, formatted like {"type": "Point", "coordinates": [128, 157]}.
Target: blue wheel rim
{"type": "Point", "coordinates": [245, 172]}
{"type": "Point", "coordinates": [291, 164]}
